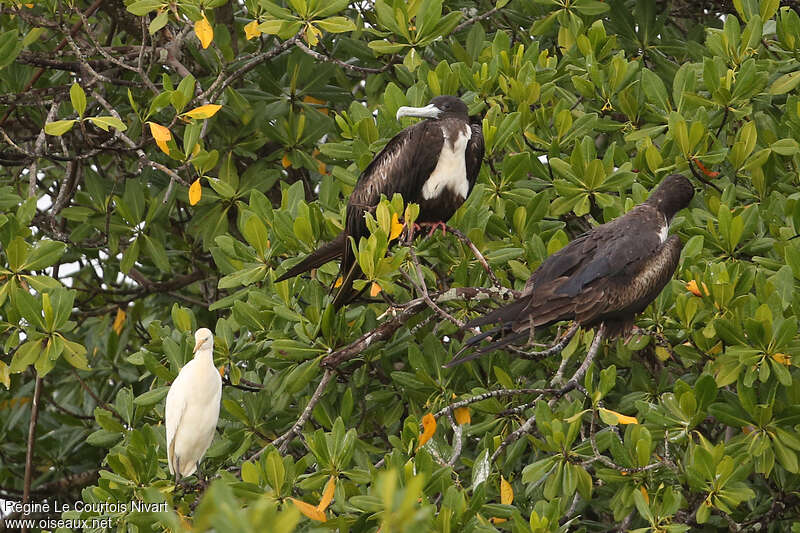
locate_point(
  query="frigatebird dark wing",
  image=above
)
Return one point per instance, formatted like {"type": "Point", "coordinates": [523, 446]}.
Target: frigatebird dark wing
{"type": "Point", "coordinates": [607, 275]}
{"type": "Point", "coordinates": [474, 154]}
{"type": "Point", "coordinates": [401, 167]}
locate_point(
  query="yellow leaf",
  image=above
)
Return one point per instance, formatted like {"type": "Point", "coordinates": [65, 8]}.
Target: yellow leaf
{"type": "Point", "coordinates": [195, 192]}
{"type": "Point", "coordinates": [428, 429]}
{"type": "Point", "coordinates": [312, 34]}
{"type": "Point", "coordinates": [119, 321]}
{"type": "Point", "coordinates": [613, 418]}
{"type": "Point", "coordinates": [5, 375]}
{"type": "Point", "coordinates": [204, 31]}
{"type": "Point", "coordinates": [327, 494]}
{"type": "Point", "coordinates": [782, 358]}
{"type": "Point", "coordinates": [309, 510]}
{"type": "Point", "coordinates": [662, 353]}
{"type": "Point", "coordinates": [251, 30]}
{"type": "Point", "coordinates": [506, 492]}
{"type": "Point", "coordinates": [374, 289]}
{"type": "Point", "coordinates": [397, 228]}
{"type": "Point", "coordinates": [162, 135]}
{"type": "Point", "coordinates": [204, 111]}
{"type": "Point", "coordinates": [496, 520]}
{"type": "Point", "coordinates": [285, 161]}
{"type": "Point", "coordinates": [338, 283]}
{"type": "Point", "coordinates": [643, 490]}
{"type": "Point", "coordinates": [462, 416]}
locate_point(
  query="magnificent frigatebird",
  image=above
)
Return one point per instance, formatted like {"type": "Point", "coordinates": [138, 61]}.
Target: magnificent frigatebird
{"type": "Point", "coordinates": [433, 163]}
{"type": "Point", "coordinates": [604, 277]}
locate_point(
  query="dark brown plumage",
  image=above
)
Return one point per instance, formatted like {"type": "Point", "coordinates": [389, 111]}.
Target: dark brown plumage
{"type": "Point", "coordinates": [606, 276]}
{"type": "Point", "coordinates": [408, 165]}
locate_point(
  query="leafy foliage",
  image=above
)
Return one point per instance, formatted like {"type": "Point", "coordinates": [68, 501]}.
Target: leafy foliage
{"type": "Point", "coordinates": [164, 163]}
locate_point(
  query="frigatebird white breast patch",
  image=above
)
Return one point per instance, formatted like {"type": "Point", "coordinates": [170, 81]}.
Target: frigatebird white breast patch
{"type": "Point", "coordinates": [662, 234]}
{"type": "Point", "coordinates": [451, 169]}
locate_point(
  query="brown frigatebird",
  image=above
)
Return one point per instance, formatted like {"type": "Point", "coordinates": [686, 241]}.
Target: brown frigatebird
{"type": "Point", "coordinates": [604, 277]}
{"type": "Point", "coordinates": [433, 163]}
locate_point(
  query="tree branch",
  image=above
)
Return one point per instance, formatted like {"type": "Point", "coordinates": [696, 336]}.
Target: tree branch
{"type": "Point", "coordinates": [26, 492]}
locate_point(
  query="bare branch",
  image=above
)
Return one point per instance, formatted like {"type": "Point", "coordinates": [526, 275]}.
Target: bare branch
{"type": "Point", "coordinates": [26, 492]}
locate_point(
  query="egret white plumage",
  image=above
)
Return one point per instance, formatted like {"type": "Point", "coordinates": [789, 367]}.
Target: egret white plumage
{"type": "Point", "coordinates": [192, 408]}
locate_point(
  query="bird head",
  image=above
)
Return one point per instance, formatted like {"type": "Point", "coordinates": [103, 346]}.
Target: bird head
{"type": "Point", "coordinates": [672, 194]}
{"type": "Point", "coordinates": [203, 340]}
{"type": "Point", "coordinates": [438, 107]}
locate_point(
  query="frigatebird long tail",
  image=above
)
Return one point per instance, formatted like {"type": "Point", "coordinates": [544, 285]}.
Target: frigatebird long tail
{"type": "Point", "coordinates": [327, 252]}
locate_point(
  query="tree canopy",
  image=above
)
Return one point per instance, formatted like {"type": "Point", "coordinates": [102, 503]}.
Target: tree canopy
{"type": "Point", "coordinates": [164, 162]}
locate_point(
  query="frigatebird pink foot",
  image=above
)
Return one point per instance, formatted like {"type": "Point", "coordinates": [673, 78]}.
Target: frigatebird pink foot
{"type": "Point", "coordinates": [433, 225]}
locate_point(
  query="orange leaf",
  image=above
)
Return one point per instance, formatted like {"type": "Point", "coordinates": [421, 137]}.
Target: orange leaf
{"type": "Point", "coordinates": [428, 429]}
{"type": "Point", "coordinates": [782, 358]}
{"type": "Point", "coordinates": [692, 287]}
{"type": "Point", "coordinates": [204, 111]}
{"type": "Point", "coordinates": [221, 371]}
{"type": "Point", "coordinates": [374, 289]}
{"type": "Point", "coordinates": [397, 228]}
{"type": "Point", "coordinates": [309, 510]}
{"type": "Point", "coordinates": [204, 31]}
{"type": "Point", "coordinates": [644, 493]}
{"type": "Point", "coordinates": [496, 520]}
{"type": "Point", "coordinates": [251, 30]}
{"type": "Point", "coordinates": [285, 161]}
{"type": "Point", "coordinates": [327, 494]}
{"type": "Point", "coordinates": [119, 321]}
{"type": "Point", "coordinates": [506, 492]}
{"type": "Point", "coordinates": [317, 101]}
{"type": "Point", "coordinates": [462, 416]}
{"type": "Point", "coordinates": [707, 172]}
{"type": "Point", "coordinates": [339, 282]}
{"type": "Point", "coordinates": [195, 192]}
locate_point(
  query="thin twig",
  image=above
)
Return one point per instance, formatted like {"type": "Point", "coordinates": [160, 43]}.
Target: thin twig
{"type": "Point", "coordinates": [423, 289]}
{"type": "Point", "coordinates": [26, 491]}
{"type": "Point", "coordinates": [282, 442]}
{"type": "Point", "coordinates": [477, 253]}
{"type": "Point", "coordinates": [491, 394]}
{"type": "Point", "coordinates": [458, 432]}
{"type": "Point", "coordinates": [475, 19]}
{"type": "Point", "coordinates": [322, 57]}
{"type": "Point", "coordinates": [572, 383]}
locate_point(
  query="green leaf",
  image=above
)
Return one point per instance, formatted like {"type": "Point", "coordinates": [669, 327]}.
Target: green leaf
{"type": "Point", "coordinates": [59, 127]}
{"type": "Point", "coordinates": [78, 99]}
{"type": "Point", "coordinates": [785, 83]}
{"type": "Point", "coordinates": [10, 47]}
{"type": "Point", "coordinates": [151, 397]}
{"type": "Point", "coordinates": [143, 7]}
{"type": "Point", "coordinates": [335, 24]}
{"type": "Point", "coordinates": [46, 253]}
{"type": "Point", "coordinates": [105, 122]}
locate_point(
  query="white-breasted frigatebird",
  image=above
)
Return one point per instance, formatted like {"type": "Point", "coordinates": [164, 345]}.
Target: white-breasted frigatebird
{"type": "Point", "coordinates": [605, 276]}
{"type": "Point", "coordinates": [433, 163]}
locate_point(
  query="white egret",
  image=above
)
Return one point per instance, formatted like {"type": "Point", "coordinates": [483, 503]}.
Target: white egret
{"type": "Point", "coordinates": [192, 408]}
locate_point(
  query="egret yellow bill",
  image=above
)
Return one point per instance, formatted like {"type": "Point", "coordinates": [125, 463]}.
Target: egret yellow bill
{"type": "Point", "coordinates": [192, 408]}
